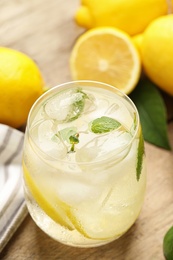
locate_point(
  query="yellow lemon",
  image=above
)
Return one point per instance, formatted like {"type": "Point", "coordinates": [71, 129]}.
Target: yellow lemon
{"type": "Point", "coordinates": [157, 52]}
{"type": "Point", "coordinates": [132, 16]}
{"type": "Point", "coordinates": [21, 84]}
{"type": "Point", "coordinates": [137, 40]}
{"type": "Point", "coordinates": [108, 55]}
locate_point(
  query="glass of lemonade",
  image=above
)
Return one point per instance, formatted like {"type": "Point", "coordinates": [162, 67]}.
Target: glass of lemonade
{"type": "Point", "coordinates": [84, 163]}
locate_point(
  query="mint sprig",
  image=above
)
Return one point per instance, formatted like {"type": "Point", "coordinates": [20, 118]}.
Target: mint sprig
{"type": "Point", "coordinates": [71, 136]}
{"type": "Point", "coordinates": [67, 132]}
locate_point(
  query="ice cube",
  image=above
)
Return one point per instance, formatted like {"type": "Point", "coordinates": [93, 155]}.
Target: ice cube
{"type": "Point", "coordinates": [68, 105]}
{"type": "Point", "coordinates": [103, 146]}
{"type": "Point", "coordinates": [74, 191]}
{"type": "Point", "coordinates": [44, 134]}
{"type": "Point", "coordinates": [101, 105]}
{"type": "Point", "coordinates": [112, 109]}
{"type": "Point", "coordinates": [90, 104]}
{"type": "Point", "coordinates": [121, 112]}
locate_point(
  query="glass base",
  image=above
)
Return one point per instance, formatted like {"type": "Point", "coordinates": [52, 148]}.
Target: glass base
{"type": "Point", "coordinates": [59, 233]}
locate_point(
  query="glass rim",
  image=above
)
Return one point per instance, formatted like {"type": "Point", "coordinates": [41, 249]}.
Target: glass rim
{"type": "Point", "coordinates": [117, 91]}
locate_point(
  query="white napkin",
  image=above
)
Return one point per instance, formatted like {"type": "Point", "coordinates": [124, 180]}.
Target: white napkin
{"type": "Point", "coordinates": [12, 204]}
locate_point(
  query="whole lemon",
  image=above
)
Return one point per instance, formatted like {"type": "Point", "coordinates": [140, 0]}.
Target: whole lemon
{"type": "Point", "coordinates": [137, 40]}
{"type": "Point", "coordinates": [157, 52]}
{"type": "Point", "coordinates": [21, 83]}
{"type": "Point", "coordinates": [131, 16]}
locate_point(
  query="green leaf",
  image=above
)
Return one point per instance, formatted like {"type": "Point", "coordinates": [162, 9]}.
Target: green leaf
{"type": "Point", "coordinates": [152, 111]}
{"type": "Point", "coordinates": [69, 135]}
{"type": "Point", "coordinates": [103, 125]}
{"type": "Point", "coordinates": [168, 244]}
{"type": "Point", "coordinates": [74, 139]}
{"type": "Point", "coordinates": [140, 154]}
{"type": "Point", "coordinates": [67, 132]}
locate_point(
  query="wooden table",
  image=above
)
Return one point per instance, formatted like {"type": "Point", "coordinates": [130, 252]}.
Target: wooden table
{"type": "Point", "coordinates": [46, 31]}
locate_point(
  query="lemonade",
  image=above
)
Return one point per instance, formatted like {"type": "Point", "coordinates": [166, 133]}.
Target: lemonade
{"type": "Point", "coordinates": [84, 163]}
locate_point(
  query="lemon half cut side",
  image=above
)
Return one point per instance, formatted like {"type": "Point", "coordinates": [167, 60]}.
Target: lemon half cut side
{"type": "Point", "coordinates": [107, 55]}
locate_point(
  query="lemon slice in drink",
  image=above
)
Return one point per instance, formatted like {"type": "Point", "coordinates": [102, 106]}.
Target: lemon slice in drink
{"type": "Point", "coordinates": [90, 223]}
{"type": "Point", "coordinates": [95, 225]}
{"type": "Point", "coordinates": [60, 212]}
{"type": "Point", "coordinates": [106, 54]}
{"type": "Point", "coordinates": [50, 204]}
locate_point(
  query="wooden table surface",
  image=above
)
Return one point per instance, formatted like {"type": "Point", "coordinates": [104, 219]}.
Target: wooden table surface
{"type": "Point", "coordinates": [46, 31]}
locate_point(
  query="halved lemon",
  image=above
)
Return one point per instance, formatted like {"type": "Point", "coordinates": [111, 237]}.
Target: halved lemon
{"type": "Point", "coordinates": [107, 55]}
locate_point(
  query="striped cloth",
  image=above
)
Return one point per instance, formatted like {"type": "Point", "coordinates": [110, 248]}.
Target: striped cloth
{"type": "Point", "coordinates": [12, 203]}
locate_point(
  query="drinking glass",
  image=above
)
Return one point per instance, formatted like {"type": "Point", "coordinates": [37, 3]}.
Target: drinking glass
{"type": "Point", "coordinates": [84, 163]}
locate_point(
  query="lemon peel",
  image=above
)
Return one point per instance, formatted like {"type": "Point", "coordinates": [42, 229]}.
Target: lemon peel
{"type": "Point", "coordinates": [130, 16]}
{"type": "Point", "coordinates": [21, 83]}
{"type": "Point", "coordinates": [157, 52]}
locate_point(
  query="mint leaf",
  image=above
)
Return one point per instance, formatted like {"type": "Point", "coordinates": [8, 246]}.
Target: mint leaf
{"type": "Point", "coordinates": [152, 111]}
{"type": "Point", "coordinates": [140, 154]}
{"type": "Point", "coordinates": [168, 244]}
{"type": "Point", "coordinates": [67, 132]}
{"type": "Point", "coordinates": [104, 124]}
{"type": "Point", "coordinates": [74, 139]}
{"type": "Point", "coordinates": [69, 135]}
